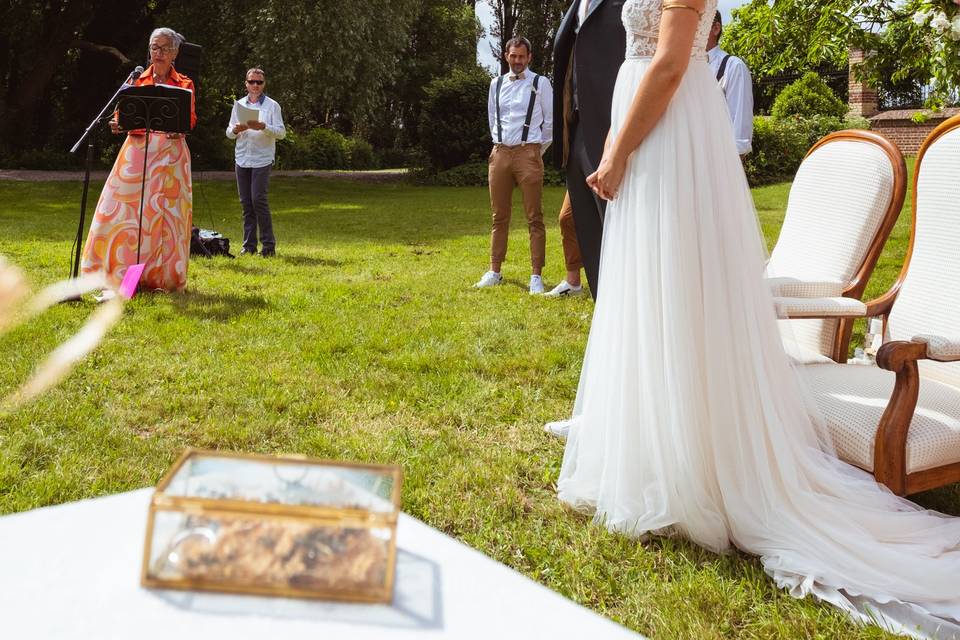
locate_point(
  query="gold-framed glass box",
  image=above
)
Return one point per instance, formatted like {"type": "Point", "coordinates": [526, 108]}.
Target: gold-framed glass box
{"type": "Point", "coordinates": [283, 526]}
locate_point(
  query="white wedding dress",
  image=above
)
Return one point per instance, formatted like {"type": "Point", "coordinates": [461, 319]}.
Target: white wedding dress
{"type": "Point", "coordinates": [691, 420]}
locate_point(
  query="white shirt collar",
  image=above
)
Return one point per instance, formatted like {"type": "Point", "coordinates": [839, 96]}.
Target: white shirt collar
{"type": "Point", "coordinates": [527, 74]}
{"type": "Point", "coordinates": [714, 53]}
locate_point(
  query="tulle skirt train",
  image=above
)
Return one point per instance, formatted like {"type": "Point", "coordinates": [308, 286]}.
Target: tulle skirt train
{"type": "Point", "coordinates": [690, 418]}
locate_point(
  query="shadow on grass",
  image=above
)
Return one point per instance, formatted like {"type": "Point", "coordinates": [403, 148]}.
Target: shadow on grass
{"type": "Point", "coordinates": [308, 261]}
{"type": "Point", "coordinates": [219, 306]}
{"type": "Point", "coordinates": [240, 267]}
{"type": "Point", "coordinates": [945, 499]}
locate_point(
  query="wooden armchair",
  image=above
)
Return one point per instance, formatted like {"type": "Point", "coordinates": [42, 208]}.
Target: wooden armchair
{"type": "Point", "coordinates": [843, 203]}
{"type": "Point", "coordinates": [901, 419]}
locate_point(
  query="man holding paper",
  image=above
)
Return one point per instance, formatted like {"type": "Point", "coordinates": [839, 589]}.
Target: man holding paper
{"type": "Point", "coordinates": [256, 123]}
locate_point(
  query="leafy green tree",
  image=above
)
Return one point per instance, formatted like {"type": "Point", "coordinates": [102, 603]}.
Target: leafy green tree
{"type": "Point", "coordinates": [59, 60]}
{"type": "Point", "coordinates": [442, 37]}
{"type": "Point", "coordinates": [907, 39]}
{"type": "Point", "coordinates": [330, 60]}
{"type": "Point", "coordinates": [357, 67]}
{"type": "Point", "coordinates": [776, 38]}
{"type": "Point", "coordinates": [453, 123]}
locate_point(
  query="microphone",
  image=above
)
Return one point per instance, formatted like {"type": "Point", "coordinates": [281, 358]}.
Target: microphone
{"type": "Point", "coordinates": [134, 74]}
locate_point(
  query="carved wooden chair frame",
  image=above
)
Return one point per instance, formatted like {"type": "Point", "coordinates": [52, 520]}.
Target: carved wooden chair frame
{"type": "Point", "coordinates": [901, 357]}
{"type": "Point", "coordinates": [858, 283]}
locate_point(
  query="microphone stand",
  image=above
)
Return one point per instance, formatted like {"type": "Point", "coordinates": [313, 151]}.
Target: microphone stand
{"type": "Point", "coordinates": [78, 242]}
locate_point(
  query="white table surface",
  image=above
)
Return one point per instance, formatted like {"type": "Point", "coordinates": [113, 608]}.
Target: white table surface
{"type": "Point", "coordinates": [73, 571]}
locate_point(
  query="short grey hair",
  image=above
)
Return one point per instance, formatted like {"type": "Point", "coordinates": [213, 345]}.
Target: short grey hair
{"type": "Point", "coordinates": [166, 32]}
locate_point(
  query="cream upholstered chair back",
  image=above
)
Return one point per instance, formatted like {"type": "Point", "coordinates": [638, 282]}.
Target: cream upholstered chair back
{"type": "Point", "coordinates": [929, 298]}
{"type": "Point", "coordinates": [842, 204]}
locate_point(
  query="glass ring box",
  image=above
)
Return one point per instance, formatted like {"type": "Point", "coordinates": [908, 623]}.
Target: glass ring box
{"type": "Point", "coordinates": [281, 526]}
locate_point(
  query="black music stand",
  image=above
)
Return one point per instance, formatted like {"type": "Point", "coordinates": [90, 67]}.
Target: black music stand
{"type": "Point", "coordinates": [153, 108]}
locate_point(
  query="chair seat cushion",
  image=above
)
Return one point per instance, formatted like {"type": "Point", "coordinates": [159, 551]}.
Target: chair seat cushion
{"type": "Point", "coordinates": [853, 397]}
{"type": "Point", "coordinates": [819, 307]}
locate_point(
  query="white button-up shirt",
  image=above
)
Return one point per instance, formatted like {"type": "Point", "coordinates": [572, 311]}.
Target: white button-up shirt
{"type": "Point", "coordinates": [738, 89]}
{"type": "Point", "coordinates": [514, 101]}
{"type": "Point", "coordinates": [257, 149]}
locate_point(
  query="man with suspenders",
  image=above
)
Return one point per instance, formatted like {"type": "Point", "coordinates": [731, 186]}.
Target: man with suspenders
{"type": "Point", "coordinates": [520, 110]}
{"type": "Point", "coordinates": [734, 79]}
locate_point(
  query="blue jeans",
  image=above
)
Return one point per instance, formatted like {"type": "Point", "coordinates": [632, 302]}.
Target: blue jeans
{"type": "Point", "coordinates": [252, 186]}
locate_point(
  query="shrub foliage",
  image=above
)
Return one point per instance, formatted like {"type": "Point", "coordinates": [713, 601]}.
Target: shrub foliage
{"type": "Point", "coordinates": [780, 145]}
{"type": "Point", "coordinates": [808, 97]}
{"type": "Point", "coordinates": [453, 123]}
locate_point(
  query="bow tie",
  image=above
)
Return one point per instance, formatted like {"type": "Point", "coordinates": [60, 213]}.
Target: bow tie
{"type": "Point", "coordinates": [517, 76]}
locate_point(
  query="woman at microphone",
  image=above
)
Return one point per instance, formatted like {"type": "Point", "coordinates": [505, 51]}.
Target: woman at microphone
{"type": "Point", "coordinates": [164, 239]}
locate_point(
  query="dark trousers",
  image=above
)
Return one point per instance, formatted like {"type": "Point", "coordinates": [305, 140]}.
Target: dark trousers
{"type": "Point", "coordinates": [252, 186]}
{"type": "Point", "coordinates": [588, 208]}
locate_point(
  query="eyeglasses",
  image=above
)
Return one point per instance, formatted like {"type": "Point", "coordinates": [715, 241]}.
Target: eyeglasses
{"type": "Point", "coordinates": [155, 48]}
{"type": "Point", "coordinates": [254, 81]}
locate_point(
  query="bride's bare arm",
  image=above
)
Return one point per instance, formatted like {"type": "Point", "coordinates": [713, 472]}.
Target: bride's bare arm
{"type": "Point", "coordinates": [678, 28]}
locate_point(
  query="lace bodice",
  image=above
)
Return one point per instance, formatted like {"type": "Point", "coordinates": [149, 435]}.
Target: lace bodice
{"type": "Point", "coordinates": [641, 19]}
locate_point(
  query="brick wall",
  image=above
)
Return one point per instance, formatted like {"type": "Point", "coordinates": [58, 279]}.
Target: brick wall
{"type": "Point", "coordinates": [899, 127]}
{"type": "Point", "coordinates": [862, 97]}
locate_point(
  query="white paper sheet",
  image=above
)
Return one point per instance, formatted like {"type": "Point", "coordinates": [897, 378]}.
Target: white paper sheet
{"type": "Point", "coordinates": [245, 113]}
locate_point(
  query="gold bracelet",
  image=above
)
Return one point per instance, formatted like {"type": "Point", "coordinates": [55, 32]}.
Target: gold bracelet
{"type": "Point", "coordinates": [680, 5]}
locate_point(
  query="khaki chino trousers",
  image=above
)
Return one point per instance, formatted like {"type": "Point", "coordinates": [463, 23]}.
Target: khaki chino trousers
{"type": "Point", "coordinates": [509, 167]}
{"type": "Point", "coordinates": [568, 236]}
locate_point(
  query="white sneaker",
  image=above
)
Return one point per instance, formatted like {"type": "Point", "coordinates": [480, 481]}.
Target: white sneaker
{"type": "Point", "coordinates": [536, 285]}
{"type": "Point", "coordinates": [564, 289]}
{"type": "Point", "coordinates": [489, 279]}
{"type": "Point", "coordinates": [559, 429]}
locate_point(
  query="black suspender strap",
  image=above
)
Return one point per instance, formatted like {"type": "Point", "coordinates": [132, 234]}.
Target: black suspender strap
{"type": "Point", "coordinates": [723, 67]}
{"type": "Point", "coordinates": [499, 125]}
{"type": "Point", "coordinates": [533, 99]}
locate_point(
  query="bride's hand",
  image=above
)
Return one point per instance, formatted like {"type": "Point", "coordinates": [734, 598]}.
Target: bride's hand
{"type": "Point", "coordinates": [605, 181]}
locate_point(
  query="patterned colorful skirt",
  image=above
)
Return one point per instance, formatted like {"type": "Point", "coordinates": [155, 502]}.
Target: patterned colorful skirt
{"type": "Point", "coordinates": [164, 237]}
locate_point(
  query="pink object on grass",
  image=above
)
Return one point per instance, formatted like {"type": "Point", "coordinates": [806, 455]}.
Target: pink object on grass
{"type": "Point", "coordinates": [130, 280]}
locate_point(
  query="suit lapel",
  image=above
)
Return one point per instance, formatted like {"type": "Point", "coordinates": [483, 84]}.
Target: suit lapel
{"type": "Point", "coordinates": [568, 18]}
{"type": "Point", "coordinates": [591, 10]}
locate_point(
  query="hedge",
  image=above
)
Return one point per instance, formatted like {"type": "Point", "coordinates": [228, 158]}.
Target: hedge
{"type": "Point", "coordinates": [780, 145]}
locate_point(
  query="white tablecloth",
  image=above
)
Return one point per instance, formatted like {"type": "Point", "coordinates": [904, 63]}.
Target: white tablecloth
{"type": "Point", "coordinates": [73, 571]}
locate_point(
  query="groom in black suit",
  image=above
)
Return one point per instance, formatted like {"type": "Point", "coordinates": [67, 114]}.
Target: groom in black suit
{"type": "Point", "coordinates": [589, 48]}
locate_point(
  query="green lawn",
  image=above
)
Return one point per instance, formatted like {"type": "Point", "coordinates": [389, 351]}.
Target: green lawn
{"type": "Point", "coordinates": [363, 340]}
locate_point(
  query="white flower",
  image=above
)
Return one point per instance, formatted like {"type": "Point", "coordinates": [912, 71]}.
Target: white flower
{"type": "Point", "coordinates": [955, 27]}
{"type": "Point", "coordinates": [920, 18]}
{"type": "Point", "coordinates": [940, 22]}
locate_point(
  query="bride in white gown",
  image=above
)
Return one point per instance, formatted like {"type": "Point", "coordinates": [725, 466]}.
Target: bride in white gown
{"type": "Point", "coordinates": [690, 418]}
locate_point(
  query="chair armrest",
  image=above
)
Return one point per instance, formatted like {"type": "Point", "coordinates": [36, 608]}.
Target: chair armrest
{"type": "Point", "coordinates": [890, 450]}
{"type": "Point", "coordinates": [794, 288]}
{"type": "Point", "coordinates": [797, 307]}
{"type": "Point", "coordinates": [895, 355]}
{"type": "Point", "coordinates": [941, 348]}
{"type": "Point", "coordinates": [835, 307]}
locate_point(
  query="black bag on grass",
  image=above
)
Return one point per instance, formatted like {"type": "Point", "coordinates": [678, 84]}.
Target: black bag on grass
{"type": "Point", "coordinates": [206, 243]}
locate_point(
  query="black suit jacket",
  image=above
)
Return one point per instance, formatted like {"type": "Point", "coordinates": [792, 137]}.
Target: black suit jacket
{"type": "Point", "coordinates": [598, 49]}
